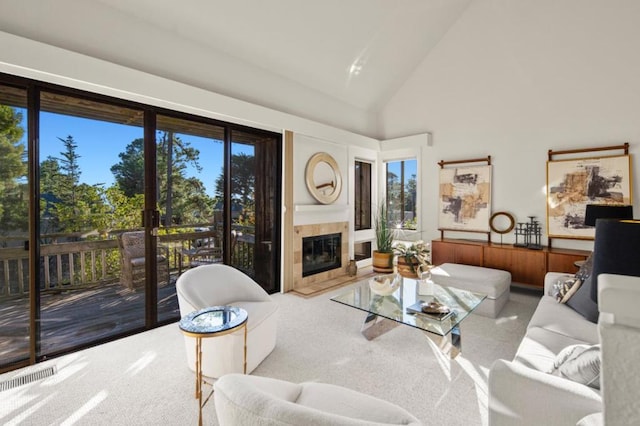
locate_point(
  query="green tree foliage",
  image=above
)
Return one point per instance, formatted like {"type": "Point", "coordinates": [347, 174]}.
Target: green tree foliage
{"type": "Point", "coordinates": [13, 170]}
{"type": "Point", "coordinates": [242, 187]}
{"type": "Point", "coordinates": [68, 205]}
{"type": "Point", "coordinates": [411, 191]}
{"type": "Point", "coordinates": [125, 210]}
{"type": "Point", "coordinates": [242, 178]}
{"type": "Point", "coordinates": [181, 199]}
{"type": "Point", "coordinates": [129, 172]}
{"type": "Point", "coordinates": [69, 177]}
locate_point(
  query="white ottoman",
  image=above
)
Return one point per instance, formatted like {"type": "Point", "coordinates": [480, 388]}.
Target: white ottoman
{"type": "Point", "coordinates": [495, 283]}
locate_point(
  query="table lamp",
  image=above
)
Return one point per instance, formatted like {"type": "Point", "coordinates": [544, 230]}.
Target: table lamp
{"type": "Point", "coordinates": [616, 250]}
{"type": "Point", "coordinates": [606, 211]}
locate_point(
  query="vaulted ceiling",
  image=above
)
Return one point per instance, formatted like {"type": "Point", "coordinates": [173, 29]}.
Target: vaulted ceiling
{"type": "Point", "coordinates": [333, 61]}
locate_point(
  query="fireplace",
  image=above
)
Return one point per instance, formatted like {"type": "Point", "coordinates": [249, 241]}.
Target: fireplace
{"type": "Point", "coordinates": [321, 253]}
{"type": "Point", "coordinates": [300, 232]}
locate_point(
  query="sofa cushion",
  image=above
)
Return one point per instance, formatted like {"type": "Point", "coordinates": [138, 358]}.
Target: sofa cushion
{"type": "Point", "coordinates": [580, 363]}
{"type": "Point", "coordinates": [560, 319]}
{"type": "Point", "coordinates": [540, 347]}
{"type": "Point", "coordinates": [587, 267]}
{"type": "Point", "coordinates": [565, 287]}
{"type": "Point", "coordinates": [581, 302]}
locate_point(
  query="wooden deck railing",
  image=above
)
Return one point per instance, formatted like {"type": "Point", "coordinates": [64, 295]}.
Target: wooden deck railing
{"type": "Point", "coordinates": [74, 265]}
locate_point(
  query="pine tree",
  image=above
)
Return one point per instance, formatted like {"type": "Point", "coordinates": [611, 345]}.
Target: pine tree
{"type": "Point", "coordinates": [13, 171]}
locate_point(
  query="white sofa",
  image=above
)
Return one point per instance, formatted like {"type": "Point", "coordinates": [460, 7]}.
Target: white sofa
{"type": "Point", "coordinates": [522, 392]}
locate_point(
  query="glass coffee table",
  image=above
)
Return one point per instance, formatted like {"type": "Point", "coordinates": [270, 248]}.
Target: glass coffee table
{"type": "Point", "coordinates": [387, 312]}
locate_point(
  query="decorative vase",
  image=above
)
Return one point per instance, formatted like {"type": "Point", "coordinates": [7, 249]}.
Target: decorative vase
{"type": "Point", "coordinates": [408, 269]}
{"type": "Point", "coordinates": [425, 284]}
{"type": "Point", "coordinates": [382, 262]}
{"type": "Point", "coordinates": [352, 268]}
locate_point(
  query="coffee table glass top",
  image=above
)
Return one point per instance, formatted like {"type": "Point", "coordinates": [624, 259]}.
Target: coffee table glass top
{"type": "Point", "coordinates": [394, 306]}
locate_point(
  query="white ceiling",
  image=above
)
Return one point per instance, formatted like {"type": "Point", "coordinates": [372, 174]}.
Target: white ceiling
{"type": "Point", "coordinates": [327, 60]}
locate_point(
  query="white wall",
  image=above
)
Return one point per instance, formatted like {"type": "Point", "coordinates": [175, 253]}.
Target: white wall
{"type": "Point", "coordinates": [513, 79]}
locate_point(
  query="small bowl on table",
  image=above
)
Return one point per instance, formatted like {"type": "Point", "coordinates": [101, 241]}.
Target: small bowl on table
{"type": "Point", "coordinates": [385, 285]}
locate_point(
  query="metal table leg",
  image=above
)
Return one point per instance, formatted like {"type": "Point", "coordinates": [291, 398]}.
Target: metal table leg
{"type": "Point", "coordinates": [374, 326]}
{"type": "Point", "coordinates": [451, 344]}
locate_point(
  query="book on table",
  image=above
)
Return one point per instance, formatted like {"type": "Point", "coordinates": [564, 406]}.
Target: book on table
{"type": "Point", "coordinates": [433, 309]}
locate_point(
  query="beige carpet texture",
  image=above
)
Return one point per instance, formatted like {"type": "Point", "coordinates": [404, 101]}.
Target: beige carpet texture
{"type": "Point", "coordinates": [144, 379]}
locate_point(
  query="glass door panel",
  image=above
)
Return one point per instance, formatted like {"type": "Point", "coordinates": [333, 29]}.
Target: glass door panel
{"type": "Point", "coordinates": [14, 228]}
{"type": "Point", "coordinates": [91, 195]}
{"type": "Point", "coordinates": [191, 198]}
{"type": "Point", "coordinates": [255, 206]}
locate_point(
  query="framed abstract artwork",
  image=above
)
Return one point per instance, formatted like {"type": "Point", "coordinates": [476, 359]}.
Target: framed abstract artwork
{"type": "Point", "coordinates": [465, 198]}
{"type": "Point", "coordinates": [572, 184]}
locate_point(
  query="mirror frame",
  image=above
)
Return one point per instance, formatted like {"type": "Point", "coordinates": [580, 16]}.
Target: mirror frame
{"type": "Point", "coordinates": [314, 190]}
{"type": "Point", "coordinates": [512, 222]}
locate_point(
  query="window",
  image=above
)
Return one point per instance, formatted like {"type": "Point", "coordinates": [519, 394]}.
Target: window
{"type": "Point", "coordinates": [401, 193]}
{"type": "Point", "coordinates": [362, 250]}
{"type": "Point", "coordinates": [362, 191]}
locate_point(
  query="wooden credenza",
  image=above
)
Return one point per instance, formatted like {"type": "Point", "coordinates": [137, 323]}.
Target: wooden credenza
{"type": "Point", "coordinates": [527, 267]}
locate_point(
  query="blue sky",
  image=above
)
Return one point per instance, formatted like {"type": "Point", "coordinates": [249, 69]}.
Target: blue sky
{"type": "Point", "coordinates": [410, 167]}
{"type": "Point", "coordinates": [100, 142]}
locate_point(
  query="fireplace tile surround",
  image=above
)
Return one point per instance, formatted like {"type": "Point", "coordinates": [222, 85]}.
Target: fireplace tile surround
{"type": "Point", "coordinates": [303, 231]}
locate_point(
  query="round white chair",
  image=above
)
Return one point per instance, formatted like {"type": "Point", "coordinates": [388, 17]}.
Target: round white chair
{"type": "Point", "coordinates": [262, 401]}
{"type": "Point", "coordinates": [220, 285]}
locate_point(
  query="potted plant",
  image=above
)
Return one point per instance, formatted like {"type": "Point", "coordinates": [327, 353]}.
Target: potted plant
{"type": "Point", "coordinates": [383, 255]}
{"type": "Point", "coordinates": [412, 257]}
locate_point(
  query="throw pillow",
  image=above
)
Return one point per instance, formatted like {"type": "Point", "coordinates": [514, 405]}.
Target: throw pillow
{"type": "Point", "coordinates": [581, 301]}
{"type": "Point", "coordinates": [586, 268]}
{"type": "Point", "coordinates": [579, 363]}
{"type": "Point", "coordinates": [564, 288]}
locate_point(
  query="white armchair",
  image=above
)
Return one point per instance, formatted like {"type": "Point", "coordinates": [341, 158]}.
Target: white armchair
{"type": "Point", "coordinates": [261, 401]}
{"type": "Point", "coordinates": [218, 285]}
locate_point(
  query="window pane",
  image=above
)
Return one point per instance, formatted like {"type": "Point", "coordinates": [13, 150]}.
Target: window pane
{"type": "Point", "coordinates": [14, 214]}
{"type": "Point", "coordinates": [362, 194]}
{"type": "Point", "coordinates": [91, 190]}
{"type": "Point", "coordinates": [401, 193]}
{"type": "Point", "coordinates": [362, 250]}
{"type": "Point", "coordinates": [190, 160]}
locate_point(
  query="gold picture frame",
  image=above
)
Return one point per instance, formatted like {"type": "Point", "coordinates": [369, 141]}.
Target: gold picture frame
{"type": "Point", "coordinates": [465, 198]}
{"type": "Point", "coordinates": [323, 178]}
{"type": "Point", "coordinates": [574, 183]}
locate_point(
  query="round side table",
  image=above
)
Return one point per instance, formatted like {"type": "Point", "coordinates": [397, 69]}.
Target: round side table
{"type": "Point", "coordinates": [214, 321]}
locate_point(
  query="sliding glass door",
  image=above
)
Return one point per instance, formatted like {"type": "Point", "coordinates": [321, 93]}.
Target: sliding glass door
{"type": "Point", "coordinates": [91, 195]}
{"type": "Point", "coordinates": [15, 309]}
{"type": "Point", "coordinates": [254, 180]}
{"type": "Point", "coordinates": [190, 174]}
{"type": "Point", "coordinates": [105, 202]}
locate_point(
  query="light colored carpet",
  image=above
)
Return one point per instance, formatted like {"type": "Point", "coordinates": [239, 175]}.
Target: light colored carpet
{"type": "Point", "coordinates": [143, 379]}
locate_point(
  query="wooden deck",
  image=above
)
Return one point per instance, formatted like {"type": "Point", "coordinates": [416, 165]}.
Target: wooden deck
{"type": "Point", "coordinates": [78, 317]}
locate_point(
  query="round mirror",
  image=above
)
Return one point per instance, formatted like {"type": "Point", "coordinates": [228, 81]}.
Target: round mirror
{"type": "Point", "coordinates": [323, 178]}
{"type": "Point", "coordinates": [502, 222]}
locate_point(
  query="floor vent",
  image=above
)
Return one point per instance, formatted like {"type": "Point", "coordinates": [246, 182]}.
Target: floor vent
{"type": "Point", "coordinates": [27, 378]}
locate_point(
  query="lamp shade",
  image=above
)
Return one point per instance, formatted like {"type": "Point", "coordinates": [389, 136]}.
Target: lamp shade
{"type": "Point", "coordinates": [606, 211]}
{"type": "Point", "coordinates": [616, 250]}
